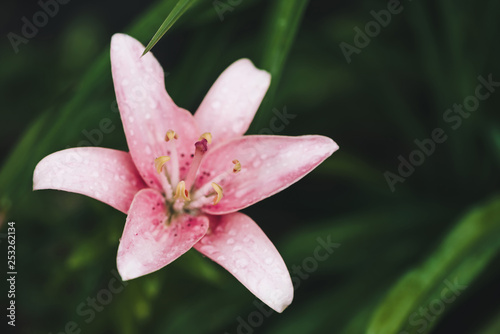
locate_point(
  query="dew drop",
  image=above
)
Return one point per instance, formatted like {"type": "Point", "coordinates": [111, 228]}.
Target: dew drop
{"type": "Point", "coordinates": [148, 149]}
{"type": "Point", "coordinates": [277, 294]}
{"type": "Point", "coordinates": [215, 104]}
{"type": "Point", "coordinates": [152, 104]}
{"type": "Point", "coordinates": [208, 249]}
{"type": "Point", "coordinates": [242, 263]}
{"type": "Point", "coordinates": [131, 119]}
{"type": "Point", "coordinates": [148, 116]}
{"type": "Point", "coordinates": [269, 260]}
{"type": "Point", "coordinates": [221, 258]}
{"type": "Point", "coordinates": [230, 241]}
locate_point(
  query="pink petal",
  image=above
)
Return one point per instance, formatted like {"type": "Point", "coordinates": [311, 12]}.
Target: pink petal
{"type": "Point", "coordinates": [149, 242]}
{"type": "Point", "coordinates": [104, 174]}
{"type": "Point", "coordinates": [231, 103]}
{"type": "Point", "coordinates": [237, 243]}
{"type": "Point", "coordinates": [269, 164]}
{"type": "Point", "coordinates": [147, 111]}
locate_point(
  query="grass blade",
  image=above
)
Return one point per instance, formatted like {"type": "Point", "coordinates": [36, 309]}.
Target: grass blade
{"type": "Point", "coordinates": [281, 29]}
{"type": "Point", "coordinates": [460, 258]}
{"type": "Point", "coordinates": [180, 8]}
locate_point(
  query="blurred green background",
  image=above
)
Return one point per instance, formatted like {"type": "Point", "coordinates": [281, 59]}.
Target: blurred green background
{"type": "Point", "coordinates": [421, 257]}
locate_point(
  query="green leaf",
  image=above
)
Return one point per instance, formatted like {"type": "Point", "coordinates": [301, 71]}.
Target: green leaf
{"type": "Point", "coordinates": [493, 326]}
{"type": "Point", "coordinates": [280, 29]}
{"type": "Point", "coordinates": [180, 8]}
{"type": "Point", "coordinates": [459, 259]}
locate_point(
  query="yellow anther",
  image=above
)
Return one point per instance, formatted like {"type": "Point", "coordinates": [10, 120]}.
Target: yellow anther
{"type": "Point", "coordinates": [218, 190]}
{"type": "Point", "coordinates": [237, 166]}
{"type": "Point", "coordinates": [182, 192]}
{"type": "Point", "coordinates": [207, 136]}
{"type": "Point", "coordinates": [160, 162]}
{"type": "Point", "coordinates": [171, 135]}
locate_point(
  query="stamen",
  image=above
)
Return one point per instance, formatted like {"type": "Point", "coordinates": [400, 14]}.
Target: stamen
{"type": "Point", "coordinates": [182, 192]}
{"type": "Point", "coordinates": [218, 190]}
{"type": "Point", "coordinates": [171, 134]}
{"type": "Point", "coordinates": [174, 165]}
{"type": "Point", "coordinates": [201, 148]}
{"type": "Point", "coordinates": [203, 191]}
{"type": "Point", "coordinates": [160, 162]}
{"type": "Point", "coordinates": [207, 136]}
{"type": "Point", "coordinates": [237, 166]}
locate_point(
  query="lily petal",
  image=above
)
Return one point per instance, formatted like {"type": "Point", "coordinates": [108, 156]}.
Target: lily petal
{"type": "Point", "coordinates": [149, 242]}
{"type": "Point", "coordinates": [269, 164]}
{"type": "Point", "coordinates": [237, 243]}
{"type": "Point", "coordinates": [107, 175]}
{"type": "Point", "coordinates": [230, 105]}
{"type": "Point", "coordinates": [146, 109]}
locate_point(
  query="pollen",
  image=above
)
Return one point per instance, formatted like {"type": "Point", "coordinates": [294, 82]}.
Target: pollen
{"type": "Point", "coordinates": [207, 136]}
{"type": "Point", "coordinates": [218, 190]}
{"type": "Point", "coordinates": [182, 192]}
{"type": "Point", "coordinates": [160, 162]}
{"type": "Point", "coordinates": [237, 166]}
{"type": "Point", "coordinates": [171, 134]}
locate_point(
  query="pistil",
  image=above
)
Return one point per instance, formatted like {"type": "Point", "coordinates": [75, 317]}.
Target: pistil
{"type": "Point", "coordinates": [201, 147]}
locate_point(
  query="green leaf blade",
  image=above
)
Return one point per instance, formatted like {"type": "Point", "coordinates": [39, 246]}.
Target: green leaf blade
{"type": "Point", "coordinates": [180, 8]}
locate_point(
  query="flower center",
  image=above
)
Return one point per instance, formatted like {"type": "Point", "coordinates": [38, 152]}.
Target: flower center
{"type": "Point", "coordinates": [181, 195]}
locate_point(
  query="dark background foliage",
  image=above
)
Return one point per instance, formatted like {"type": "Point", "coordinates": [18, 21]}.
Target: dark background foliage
{"type": "Point", "coordinates": [400, 248]}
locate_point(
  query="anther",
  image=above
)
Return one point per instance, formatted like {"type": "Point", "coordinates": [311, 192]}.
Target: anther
{"type": "Point", "coordinates": [218, 190]}
{"type": "Point", "coordinates": [160, 162]}
{"type": "Point", "coordinates": [171, 135]}
{"type": "Point", "coordinates": [182, 192]}
{"type": "Point", "coordinates": [237, 166]}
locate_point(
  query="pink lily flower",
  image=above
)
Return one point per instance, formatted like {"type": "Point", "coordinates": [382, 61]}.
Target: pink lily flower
{"type": "Point", "coordinates": [186, 176]}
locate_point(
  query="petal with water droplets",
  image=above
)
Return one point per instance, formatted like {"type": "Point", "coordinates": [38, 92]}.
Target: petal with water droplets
{"type": "Point", "coordinates": [149, 242]}
{"type": "Point", "coordinates": [269, 164]}
{"type": "Point", "coordinates": [238, 244]}
{"type": "Point", "coordinates": [146, 109]}
{"type": "Point", "coordinates": [104, 174]}
{"type": "Point", "coordinates": [230, 105]}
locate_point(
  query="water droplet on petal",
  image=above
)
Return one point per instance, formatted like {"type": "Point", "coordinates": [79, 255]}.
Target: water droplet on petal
{"type": "Point", "coordinates": [269, 260]}
{"type": "Point", "coordinates": [131, 119]}
{"type": "Point", "coordinates": [230, 241]}
{"type": "Point", "coordinates": [242, 263]}
{"type": "Point", "coordinates": [215, 104]}
{"type": "Point", "coordinates": [207, 249]}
